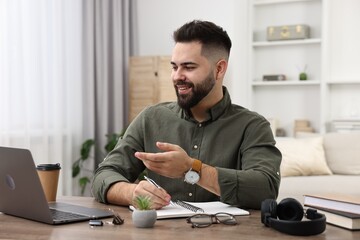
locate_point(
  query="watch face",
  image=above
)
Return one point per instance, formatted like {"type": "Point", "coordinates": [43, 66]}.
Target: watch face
{"type": "Point", "coordinates": [192, 177]}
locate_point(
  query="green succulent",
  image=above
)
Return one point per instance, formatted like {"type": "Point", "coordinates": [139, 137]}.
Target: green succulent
{"type": "Point", "coordinates": [303, 76]}
{"type": "Point", "coordinates": [142, 202]}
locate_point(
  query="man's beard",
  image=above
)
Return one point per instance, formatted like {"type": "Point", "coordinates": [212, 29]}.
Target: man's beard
{"type": "Point", "coordinates": [198, 92]}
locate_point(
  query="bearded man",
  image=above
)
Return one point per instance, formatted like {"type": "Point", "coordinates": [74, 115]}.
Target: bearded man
{"type": "Point", "coordinates": [200, 148]}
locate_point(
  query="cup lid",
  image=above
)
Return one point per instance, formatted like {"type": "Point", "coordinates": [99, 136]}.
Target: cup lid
{"type": "Point", "coordinates": [48, 166]}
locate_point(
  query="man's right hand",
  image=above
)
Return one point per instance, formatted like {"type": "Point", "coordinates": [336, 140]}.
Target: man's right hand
{"type": "Point", "coordinates": [123, 193]}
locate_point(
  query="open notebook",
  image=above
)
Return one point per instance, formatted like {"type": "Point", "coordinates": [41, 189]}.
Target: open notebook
{"type": "Point", "coordinates": [185, 209]}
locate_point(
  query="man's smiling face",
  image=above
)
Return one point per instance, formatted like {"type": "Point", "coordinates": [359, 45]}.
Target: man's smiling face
{"type": "Point", "coordinates": [192, 74]}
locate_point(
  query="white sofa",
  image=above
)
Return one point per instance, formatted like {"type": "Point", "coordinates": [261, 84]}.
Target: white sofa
{"type": "Point", "coordinates": [315, 164]}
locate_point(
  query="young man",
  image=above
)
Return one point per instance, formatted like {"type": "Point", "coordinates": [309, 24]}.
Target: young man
{"type": "Point", "coordinates": [202, 148]}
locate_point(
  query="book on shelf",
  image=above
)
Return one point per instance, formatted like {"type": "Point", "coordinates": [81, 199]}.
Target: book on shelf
{"type": "Point", "coordinates": [182, 209]}
{"type": "Point", "coordinates": [344, 203]}
{"type": "Point", "coordinates": [346, 125]}
{"type": "Point", "coordinates": [342, 219]}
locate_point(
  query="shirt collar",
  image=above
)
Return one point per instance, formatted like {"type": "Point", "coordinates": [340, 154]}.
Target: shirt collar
{"type": "Point", "coordinates": [214, 113]}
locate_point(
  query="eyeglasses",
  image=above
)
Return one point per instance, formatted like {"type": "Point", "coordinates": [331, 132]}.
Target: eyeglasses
{"type": "Point", "coordinates": [205, 220]}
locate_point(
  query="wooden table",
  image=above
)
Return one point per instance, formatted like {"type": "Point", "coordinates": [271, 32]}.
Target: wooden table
{"type": "Point", "coordinates": [249, 227]}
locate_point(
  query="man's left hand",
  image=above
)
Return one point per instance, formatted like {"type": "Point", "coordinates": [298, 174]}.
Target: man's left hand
{"type": "Point", "coordinates": [173, 162]}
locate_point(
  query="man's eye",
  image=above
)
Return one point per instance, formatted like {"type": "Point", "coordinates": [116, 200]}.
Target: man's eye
{"type": "Point", "coordinates": [174, 68]}
{"type": "Point", "coordinates": [190, 68]}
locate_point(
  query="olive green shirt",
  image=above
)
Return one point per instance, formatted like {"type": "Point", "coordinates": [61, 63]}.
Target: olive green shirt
{"type": "Point", "coordinates": [238, 142]}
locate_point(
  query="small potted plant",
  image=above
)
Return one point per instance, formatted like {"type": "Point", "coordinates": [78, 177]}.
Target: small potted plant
{"type": "Point", "coordinates": [143, 216]}
{"type": "Point", "coordinates": [303, 75]}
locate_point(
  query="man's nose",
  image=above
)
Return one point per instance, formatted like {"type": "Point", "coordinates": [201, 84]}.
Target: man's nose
{"type": "Point", "coordinates": [178, 75]}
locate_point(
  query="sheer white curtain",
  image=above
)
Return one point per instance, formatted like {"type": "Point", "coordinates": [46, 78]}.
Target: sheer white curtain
{"type": "Point", "coordinates": [41, 84]}
{"type": "Point", "coordinates": [63, 71]}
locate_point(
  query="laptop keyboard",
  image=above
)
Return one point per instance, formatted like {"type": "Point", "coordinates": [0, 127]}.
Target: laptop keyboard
{"type": "Point", "coordinates": [61, 215]}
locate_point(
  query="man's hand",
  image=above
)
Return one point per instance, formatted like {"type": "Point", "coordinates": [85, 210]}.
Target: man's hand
{"type": "Point", "coordinates": [123, 193]}
{"type": "Point", "coordinates": [173, 162]}
{"type": "Point", "coordinates": [159, 196]}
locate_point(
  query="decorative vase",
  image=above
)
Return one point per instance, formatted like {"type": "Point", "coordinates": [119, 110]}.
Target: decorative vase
{"type": "Point", "coordinates": [144, 218]}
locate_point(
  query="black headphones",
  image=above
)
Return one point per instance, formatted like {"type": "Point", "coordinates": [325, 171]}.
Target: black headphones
{"type": "Point", "coordinates": [286, 217]}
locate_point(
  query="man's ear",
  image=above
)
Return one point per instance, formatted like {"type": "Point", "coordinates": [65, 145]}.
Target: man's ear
{"type": "Point", "coordinates": [221, 67]}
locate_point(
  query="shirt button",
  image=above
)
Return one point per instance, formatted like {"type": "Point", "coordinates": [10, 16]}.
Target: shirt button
{"type": "Point", "coordinates": [277, 173]}
{"type": "Point", "coordinates": [190, 194]}
{"type": "Point", "coordinates": [195, 146]}
{"type": "Point", "coordinates": [200, 125]}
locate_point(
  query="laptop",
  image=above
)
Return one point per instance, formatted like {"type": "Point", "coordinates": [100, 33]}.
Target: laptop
{"type": "Point", "coordinates": [21, 193]}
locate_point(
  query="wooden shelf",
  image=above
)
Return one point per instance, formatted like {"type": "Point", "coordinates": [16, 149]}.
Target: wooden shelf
{"type": "Point", "coordinates": [286, 42]}
{"type": "Point", "coordinates": [285, 83]}
{"type": "Point", "coordinates": [268, 2]}
{"type": "Point", "coordinates": [344, 82]}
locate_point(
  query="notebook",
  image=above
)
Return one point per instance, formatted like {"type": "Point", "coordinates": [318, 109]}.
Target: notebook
{"type": "Point", "coordinates": [181, 209]}
{"type": "Point", "coordinates": [21, 193]}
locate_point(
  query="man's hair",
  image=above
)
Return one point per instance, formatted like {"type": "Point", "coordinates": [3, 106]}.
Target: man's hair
{"type": "Point", "coordinates": [211, 36]}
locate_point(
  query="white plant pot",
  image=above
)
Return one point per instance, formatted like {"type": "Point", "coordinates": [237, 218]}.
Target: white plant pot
{"type": "Point", "coordinates": [144, 218]}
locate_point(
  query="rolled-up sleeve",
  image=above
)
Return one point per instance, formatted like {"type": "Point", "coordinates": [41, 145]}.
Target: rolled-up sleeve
{"type": "Point", "coordinates": [102, 181]}
{"type": "Point", "coordinates": [259, 175]}
{"type": "Point", "coordinates": [120, 165]}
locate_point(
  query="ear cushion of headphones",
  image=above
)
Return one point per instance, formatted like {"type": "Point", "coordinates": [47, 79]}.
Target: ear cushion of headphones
{"type": "Point", "coordinates": [268, 210]}
{"type": "Point", "coordinates": [290, 209]}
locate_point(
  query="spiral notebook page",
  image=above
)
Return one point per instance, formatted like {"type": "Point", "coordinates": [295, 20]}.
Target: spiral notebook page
{"type": "Point", "coordinates": [177, 211]}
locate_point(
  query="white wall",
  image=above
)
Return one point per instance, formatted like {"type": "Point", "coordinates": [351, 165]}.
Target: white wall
{"type": "Point", "coordinates": [158, 19]}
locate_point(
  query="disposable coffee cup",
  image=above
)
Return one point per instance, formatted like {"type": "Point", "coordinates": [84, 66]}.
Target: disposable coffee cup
{"type": "Point", "coordinates": [49, 177]}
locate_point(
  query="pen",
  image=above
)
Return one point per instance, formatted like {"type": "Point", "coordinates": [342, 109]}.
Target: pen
{"type": "Point", "coordinates": [156, 185]}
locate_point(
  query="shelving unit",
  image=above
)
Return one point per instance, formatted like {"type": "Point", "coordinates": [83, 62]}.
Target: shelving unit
{"type": "Point", "coordinates": [332, 54]}
{"type": "Point", "coordinates": [291, 99]}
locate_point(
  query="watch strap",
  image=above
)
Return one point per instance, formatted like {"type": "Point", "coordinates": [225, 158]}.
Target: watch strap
{"type": "Point", "coordinates": [196, 166]}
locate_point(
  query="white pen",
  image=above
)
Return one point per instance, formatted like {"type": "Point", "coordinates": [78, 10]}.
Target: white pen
{"type": "Point", "coordinates": [156, 185]}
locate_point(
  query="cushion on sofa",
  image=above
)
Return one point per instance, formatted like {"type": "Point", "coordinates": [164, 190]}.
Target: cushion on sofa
{"type": "Point", "coordinates": [342, 151]}
{"type": "Point", "coordinates": [302, 157]}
